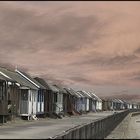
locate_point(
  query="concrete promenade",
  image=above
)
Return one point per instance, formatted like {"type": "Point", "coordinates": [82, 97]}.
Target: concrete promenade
{"type": "Point", "coordinates": [129, 128]}
{"type": "Point", "coordinates": [46, 127]}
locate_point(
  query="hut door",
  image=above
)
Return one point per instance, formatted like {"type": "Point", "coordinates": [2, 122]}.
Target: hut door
{"type": "Point", "coordinates": [34, 102]}
{"type": "Point", "coordinates": [59, 103]}
{"type": "Point", "coordinates": [87, 109]}
{"type": "Point", "coordinates": [24, 101]}
{"type": "Point", "coordinates": [94, 105]}
{"type": "Point", "coordinates": [40, 101]}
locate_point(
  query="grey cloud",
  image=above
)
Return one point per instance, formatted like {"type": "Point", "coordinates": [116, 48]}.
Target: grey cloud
{"type": "Point", "coordinates": [12, 36]}
{"type": "Point", "coordinates": [52, 79]}
{"type": "Point", "coordinates": [69, 32]}
{"type": "Point", "coordinates": [23, 30]}
{"type": "Point", "coordinates": [83, 79]}
{"type": "Point", "coordinates": [134, 76]}
{"type": "Point", "coordinates": [137, 51]}
{"type": "Point", "coordinates": [100, 60]}
{"type": "Point", "coordinates": [79, 79]}
{"type": "Point", "coordinates": [121, 60]}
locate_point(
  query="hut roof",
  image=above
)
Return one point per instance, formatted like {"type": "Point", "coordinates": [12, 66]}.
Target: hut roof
{"type": "Point", "coordinates": [18, 78]}
{"type": "Point", "coordinates": [61, 89]}
{"type": "Point", "coordinates": [85, 94]}
{"type": "Point", "coordinates": [81, 94]}
{"type": "Point", "coordinates": [4, 78]}
{"type": "Point", "coordinates": [53, 88]}
{"type": "Point", "coordinates": [30, 79]}
{"type": "Point", "coordinates": [88, 95]}
{"type": "Point", "coordinates": [43, 82]}
{"type": "Point", "coordinates": [95, 96]}
{"type": "Point", "coordinates": [72, 92]}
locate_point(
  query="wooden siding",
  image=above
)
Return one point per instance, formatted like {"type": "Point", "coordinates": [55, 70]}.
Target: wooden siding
{"type": "Point", "coordinates": [3, 98]}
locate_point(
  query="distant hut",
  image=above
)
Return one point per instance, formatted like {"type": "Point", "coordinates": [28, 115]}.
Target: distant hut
{"type": "Point", "coordinates": [91, 101]}
{"type": "Point", "coordinates": [73, 105]}
{"type": "Point", "coordinates": [61, 105]}
{"type": "Point", "coordinates": [83, 101]}
{"type": "Point", "coordinates": [98, 102]}
{"type": "Point", "coordinates": [58, 104]}
{"type": "Point", "coordinates": [88, 99]}
{"type": "Point", "coordinates": [105, 104]}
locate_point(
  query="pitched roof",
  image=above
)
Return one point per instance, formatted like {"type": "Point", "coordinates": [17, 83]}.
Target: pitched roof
{"type": "Point", "coordinates": [84, 94]}
{"type": "Point", "coordinates": [80, 94]}
{"type": "Point", "coordinates": [48, 86]}
{"type": "Point", "coordinates": [53, 88]}
{"type": "Point", "coordinates": [43, 82]}
{"type": "Point", "coordinates": [116, 100]}
{"type": "Point", "coordinates": [18, 78]}
{"type": "Point", "coordinates": [61, 89]}
{"type": "Point", "coordinates": [4, 78]}
{"type": "Point", "coordinates": [30, 79]}
{"type": "Point", "coordinates": [95, 96]}
{"type": "Point", "coordinates": [87, 94]}
{"type": "Point", "coordinates": [72, 92]}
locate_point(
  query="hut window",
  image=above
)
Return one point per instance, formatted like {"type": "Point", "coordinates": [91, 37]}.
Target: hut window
{"type": "Point", "coordinates": [42, 97]}
{"type": "Point", "coordinates": [60, 98]}
{"type": "Point", "coordinates": [55, 98]}
{"type": "Point", "coordinates": [38, 98]}
{"type": "Point", "coordinates": [24, 95]}
{"type": "Point", "coordinates": [30, 96]}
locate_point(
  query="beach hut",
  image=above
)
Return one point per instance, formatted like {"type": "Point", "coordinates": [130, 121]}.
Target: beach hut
{"type": "Point", "coordinates": [62, 100]}
{"type": "Point", "coordinates": [117, 104]}
{"type": "Point", "coordinates": [130, 105]}
{"type": "Point", "coordinates": [58, 101]}
{"type": "Point", "coordinates": [73, 104]}
{"type": "Point", "coordinates": [93, 102]}
{"type": "Point", "coordinates": [12, 93]}
{"type": "Point", "coordinates": [114, 104]}
{"type": "Point", "coordinates": [82, 101]}
{"type": "Point", "coordinates": [98, 102]}
{"type": "Point", "coordinates": [122, 104]}
{"type": "Point", "coordinates": [105, 105]}
{"type": "Point", "coordinates": [39, 97]}
{"type": "Point", "coordinates": [5, 82]}
{"type": "Point", "coordinates": [125, 104]}
{"type": "Point", "coordinates": [49, 97]}
{"type": "Point", "coordinates": [22, 96]}
{"type": "Point", "coordinates": [134, 106]}
{"type": "Point", "coordinates": [88, 99]}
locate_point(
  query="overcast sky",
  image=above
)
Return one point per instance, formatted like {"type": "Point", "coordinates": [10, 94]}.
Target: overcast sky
{"type": "Point", "coordinates": [84, 45]}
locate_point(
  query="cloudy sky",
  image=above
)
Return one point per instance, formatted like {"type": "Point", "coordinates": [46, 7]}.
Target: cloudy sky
{"type": "Point", "coordinates": [85, 45]}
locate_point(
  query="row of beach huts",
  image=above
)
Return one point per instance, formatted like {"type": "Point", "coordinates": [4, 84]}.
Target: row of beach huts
{"type": "Point", "coordinates": [26, 97]}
